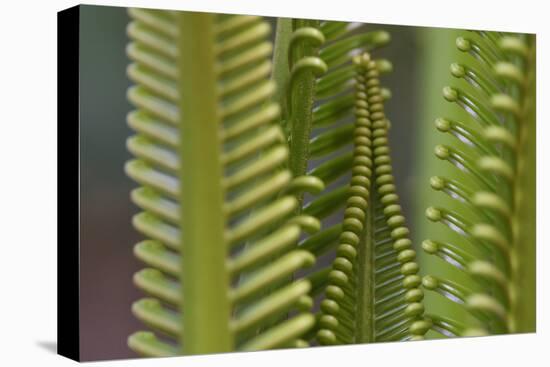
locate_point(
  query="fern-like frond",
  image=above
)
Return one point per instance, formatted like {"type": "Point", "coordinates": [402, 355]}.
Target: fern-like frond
{"type": "Point", "coordinates": [373, 287]}
{"type": "Point", "coordinates": [319, 118]}
{"type": "Point", "coordinates": [328, 147]}
{"type": "Point", "coordinates": [215, 193]}
{"type": "Point", "coordinates": [326, 143]}
{"type": "Point", "coordinates": [320, 92]}
{"type": "Point", "coordinates": [488, 241]}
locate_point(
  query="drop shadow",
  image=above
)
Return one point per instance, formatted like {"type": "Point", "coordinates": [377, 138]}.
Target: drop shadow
{"type": "Point", "coordinates": [50, 346]}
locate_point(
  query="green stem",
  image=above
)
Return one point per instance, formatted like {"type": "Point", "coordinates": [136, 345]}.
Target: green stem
{"type": "Point", "coordinates": [281, 71]}
{"type": "Point", "coordinates": [205, 279]}
{"type": "Point", "coordinates": [302, 108]}
{"type": "Point", "coordinates": [523, 253]}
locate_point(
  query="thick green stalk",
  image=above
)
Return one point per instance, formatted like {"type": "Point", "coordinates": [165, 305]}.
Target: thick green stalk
{"type": "Point", "coordinates": [524, 266]}
{"type": "Point", "coordinates": [205, 279]}
{"type": "Point", "coordinates": [301, 105]}
{"type": "Point", "coordinates": [281, 72]}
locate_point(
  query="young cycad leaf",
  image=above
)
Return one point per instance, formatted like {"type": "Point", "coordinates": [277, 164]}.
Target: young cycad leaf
{"type": "Point", "coordinates": [319, 93]}
{"type": "Point", "coordinates": [211, 160]}
{"type": "Point", "coordinates": [493, 188]}
{"type": "Point", "coordinates": [322, 136]}
{"type": "Point", "coordinates": [318, 118]}
{"type": "Point", "coordinates": [373, 288]}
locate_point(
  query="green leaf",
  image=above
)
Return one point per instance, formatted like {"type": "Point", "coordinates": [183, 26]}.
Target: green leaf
{"type": "Point", "coordinates": [210, 159]}
{"type": "Point", "coordinates": [372, 293]}
{"type": "Point", "coordinates": [322, 134]}
{"type": "Point", "coordinates": [488, 238]}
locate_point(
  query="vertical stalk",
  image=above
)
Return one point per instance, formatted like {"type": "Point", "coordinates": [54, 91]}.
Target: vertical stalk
{"type": "Point", "coordinates": [281, 71]}
{"type": "Point", "coordinates": [302, 108]}
{"type": "Point", "coordinates": [205, 279]}
{"type": "Point", "coordinates": [523, 253]}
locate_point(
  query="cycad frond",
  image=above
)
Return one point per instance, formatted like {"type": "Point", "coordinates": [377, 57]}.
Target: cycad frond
{"type": "Point", "coordinates": [209, 154]}
{"type": "Point", "coordinates": [319, 119]}
{"type": "Point", "coordinates": [492, 188]}
{"type": "Point", "coordinates": [326, 143]}
{"type": "Point", "coordinates": [373, 287]}
{"type": "Point", "coordinates": [320, 89]}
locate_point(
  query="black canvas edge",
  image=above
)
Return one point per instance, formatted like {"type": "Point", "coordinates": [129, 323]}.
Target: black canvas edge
{"type": "Point", "coordinates": [68, 183]}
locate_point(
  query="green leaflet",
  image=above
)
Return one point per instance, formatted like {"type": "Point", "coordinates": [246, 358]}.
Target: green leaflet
{"type": "Point", "coordinates": [373, 290]}
{"type": "Point", "coordinates": [490, 239]}
{"type": "Point", "coordinates": [202, 95]}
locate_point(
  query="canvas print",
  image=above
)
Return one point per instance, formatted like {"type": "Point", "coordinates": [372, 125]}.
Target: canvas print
{"type": "Point", "coordinates": [251, 183]}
